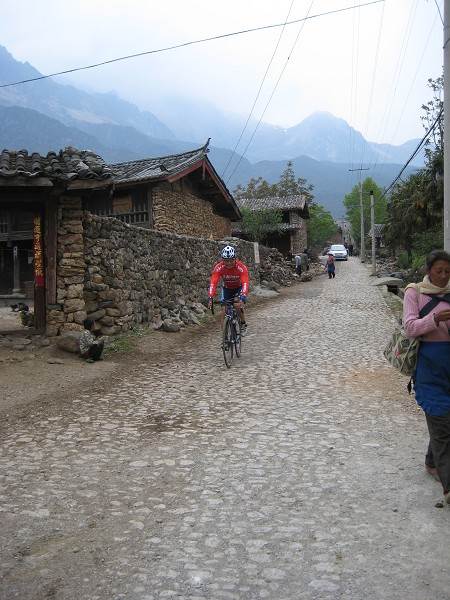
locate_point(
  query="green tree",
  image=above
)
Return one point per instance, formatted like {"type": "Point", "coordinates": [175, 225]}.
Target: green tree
{"type": "Point", "coordinates": [415, 210]}
{"type": "Point", "coordinates": [259, 224]}
{"type": "Point", "coordinates": [431, 111]}
{"type": "Point", "coordinates": [256, 188]}
{"type": "Point", "coordinates": [353, 210]}
{"type": "Point", "coordinates": [289, 185]}
{"type": "Point", "coordinates": [321, 226]}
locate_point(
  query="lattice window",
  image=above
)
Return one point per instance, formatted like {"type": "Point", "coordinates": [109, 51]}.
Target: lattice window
{"type": "Point", "coordinates": [130, 206]}
{"type": "Point", "coordinates": [101, 207]}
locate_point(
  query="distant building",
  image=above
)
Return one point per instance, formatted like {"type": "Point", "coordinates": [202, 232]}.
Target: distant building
{"type": "Point", "coordinates": [345, 231]}
{"type": "Point", "coordinates": [290, 237]}
{"type": "Point", "coordinates": [379, 229]}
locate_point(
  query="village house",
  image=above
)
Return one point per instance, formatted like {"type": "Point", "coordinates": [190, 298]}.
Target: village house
{"type": "Point", "coordinates": [180, 194]}
{"type": "Point", "coordinates": [44, 199]}
{"type": "Point", "coordinates": [290, 236]}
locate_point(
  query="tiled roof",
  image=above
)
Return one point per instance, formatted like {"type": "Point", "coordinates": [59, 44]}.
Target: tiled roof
{"type": "Point", "coordinates": [274, 202]}
{"type": "Point", "coordinates": [67, 164]}
{"type": "Point", "coordinates": [156, 168]}
{"type": "Point", "coordinates": [280, 227]}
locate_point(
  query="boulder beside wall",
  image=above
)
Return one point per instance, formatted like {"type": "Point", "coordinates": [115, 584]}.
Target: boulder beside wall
{"type": "Point", "coordinates": [70, 342]}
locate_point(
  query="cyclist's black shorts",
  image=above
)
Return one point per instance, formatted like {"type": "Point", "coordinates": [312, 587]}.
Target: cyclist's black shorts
{"type": "Point", "coordinates": [229, 293]}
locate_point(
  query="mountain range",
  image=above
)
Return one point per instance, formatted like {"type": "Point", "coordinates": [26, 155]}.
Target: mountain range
{"type": "Point", "coordinates": [46, 115]}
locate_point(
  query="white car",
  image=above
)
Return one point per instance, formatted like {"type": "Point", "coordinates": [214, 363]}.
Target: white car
{"type": "Point", "coordinates": [339, 252]}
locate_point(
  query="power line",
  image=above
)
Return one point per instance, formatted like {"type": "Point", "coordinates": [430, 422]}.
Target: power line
{"type": "Point", "coordinates": [358, 27]}
{"type": "Point", "coordinates": [375, 67]}
{"type": "Point", "coordinates": [439, 11]}
{"type": "Point", "coordinates": [396, 78]}
{"type": "Point", "coordinates": [350, 130]}
{"type": "Point", "coordinates": [272, 94]}
{"type": "Point", "coordinates": [259, 90]}
{"type": "Point", "coordinates": [414, 78]}
{"type": "Point", "coordinates": [191, 43]}
{"type": "Point", "coordinates": [419, 146]}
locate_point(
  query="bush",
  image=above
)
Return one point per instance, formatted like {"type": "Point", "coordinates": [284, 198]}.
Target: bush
{"type": "Point", "coordinates": [403, 260]}
{"type": "Point", "coordinates": [418, 261]}
{"type": "Point", "coordinates": [426, 241]}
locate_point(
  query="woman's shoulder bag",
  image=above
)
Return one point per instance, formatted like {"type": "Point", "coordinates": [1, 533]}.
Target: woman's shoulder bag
{"type": "Point", "coordinates": [401, 351]}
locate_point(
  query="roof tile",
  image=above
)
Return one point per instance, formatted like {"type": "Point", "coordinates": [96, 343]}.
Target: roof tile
{"type": "Point", "coordinates": [69, 163]}
{"type": "Point", "coordinates": [155, 168]}
{"type": "Point", "coordinates": [273, 203]}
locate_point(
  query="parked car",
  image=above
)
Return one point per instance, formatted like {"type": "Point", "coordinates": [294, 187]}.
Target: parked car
{"type": "Point", "coordinates": [339, 251]}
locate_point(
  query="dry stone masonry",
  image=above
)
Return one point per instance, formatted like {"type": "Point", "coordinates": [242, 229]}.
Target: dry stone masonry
{"type": "Point", "coordinates": [177, 209]}
{"type": "Point", "coordinates": [121, 275]}
{"type": "Point", "coordinates": [70, 311]}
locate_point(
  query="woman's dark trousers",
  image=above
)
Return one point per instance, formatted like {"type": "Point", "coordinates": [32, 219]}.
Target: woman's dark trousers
{"type": "Point", "coordinates": [95, 351]}
{"type": "Point", "coordinates": [438, 454]}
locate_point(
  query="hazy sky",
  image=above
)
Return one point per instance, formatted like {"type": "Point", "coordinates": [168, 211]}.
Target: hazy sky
{"type": "Point", "coordinates": [332, 67]}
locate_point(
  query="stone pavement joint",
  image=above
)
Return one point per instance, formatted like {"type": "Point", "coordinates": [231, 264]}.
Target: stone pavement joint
{"type": "Point", "coordinates": [297, 474]}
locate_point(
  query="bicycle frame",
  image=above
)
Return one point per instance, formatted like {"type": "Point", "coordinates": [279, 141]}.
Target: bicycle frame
{"type": "Point", "coordinates": [231, 331]}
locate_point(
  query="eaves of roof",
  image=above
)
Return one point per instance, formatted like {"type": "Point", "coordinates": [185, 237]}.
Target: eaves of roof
{"type": "Point", "coordinates": [19, 168]}
{"type": "Point", "coordinates": [297, 202]}
{"type": "Point", "coordinates": [172, 168]}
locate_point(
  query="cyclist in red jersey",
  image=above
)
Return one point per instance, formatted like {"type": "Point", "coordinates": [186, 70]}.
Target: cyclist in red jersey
{"type": "Point", "coordinates": [234, 275]}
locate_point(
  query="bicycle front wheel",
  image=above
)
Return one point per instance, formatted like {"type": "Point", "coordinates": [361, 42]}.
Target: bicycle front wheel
{"type": "Point", "coordinates": [237, 337]}
{"type": "Point", "coordinates": [228, 343]}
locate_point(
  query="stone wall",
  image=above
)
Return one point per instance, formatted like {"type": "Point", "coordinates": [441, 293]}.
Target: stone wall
{"type": "Point", "coordinates": [299, 237]}
{"type": "Point", "coordinates": [135, 275]}
{"type": "Point", "coordinates": [122, 275]}
{"type": "Point", "coordinates": [176, 209]}
{"type": "Point", "coordinates": [69, 312]}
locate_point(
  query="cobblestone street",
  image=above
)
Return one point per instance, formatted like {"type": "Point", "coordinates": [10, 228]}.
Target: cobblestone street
{"type": "Point", "coordinates": [297, 474]}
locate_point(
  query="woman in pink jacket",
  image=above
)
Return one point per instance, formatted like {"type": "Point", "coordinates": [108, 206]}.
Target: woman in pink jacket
{"type": "Point", "coordinates": [432, 375]}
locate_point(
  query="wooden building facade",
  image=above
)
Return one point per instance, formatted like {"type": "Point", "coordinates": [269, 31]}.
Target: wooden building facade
{"type": "Point", "coordinates": [43, 200]}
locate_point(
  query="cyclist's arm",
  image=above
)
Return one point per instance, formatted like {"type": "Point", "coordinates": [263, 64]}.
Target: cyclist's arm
{"type": "Point", "coordinates": [244, 280]}
{"type": "Point", "coordinates": [214, 280]}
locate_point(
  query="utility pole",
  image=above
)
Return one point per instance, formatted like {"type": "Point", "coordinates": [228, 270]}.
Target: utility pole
{"type": "Point", "coordinates": [447, 126]}
{"type": "Point", "coordinates": [362, 251]}
{"type": "Point", "coordinates": [372, 222]}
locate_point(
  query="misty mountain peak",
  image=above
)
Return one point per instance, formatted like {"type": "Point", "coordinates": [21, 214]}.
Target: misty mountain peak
{"type": "Point", "coordinates": [13, 70]}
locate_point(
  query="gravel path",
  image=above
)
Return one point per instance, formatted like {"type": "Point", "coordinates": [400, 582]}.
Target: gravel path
{"type": "Point", "coordinates": [297, 474]}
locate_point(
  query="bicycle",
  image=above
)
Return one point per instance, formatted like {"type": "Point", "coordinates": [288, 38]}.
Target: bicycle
{"type": "Point", "coordinates": [231, 332]}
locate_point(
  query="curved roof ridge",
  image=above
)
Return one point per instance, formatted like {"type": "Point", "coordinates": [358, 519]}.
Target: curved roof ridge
{"type": "Point", "coordinates": [203, 148]}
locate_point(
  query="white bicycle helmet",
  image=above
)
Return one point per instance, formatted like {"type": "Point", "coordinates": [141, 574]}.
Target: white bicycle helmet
{"type": "Point", "coordinates": [228, 252]}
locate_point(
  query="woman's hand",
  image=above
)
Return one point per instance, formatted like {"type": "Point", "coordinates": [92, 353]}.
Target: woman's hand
{"type": "Point", "coordinates": [444, 315]}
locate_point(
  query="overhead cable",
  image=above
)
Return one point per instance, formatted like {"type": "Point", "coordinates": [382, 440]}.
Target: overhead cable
{"type": "Point", "coordinates": [374, 76]}
{"type": "Point", "coordinates": [357, 21]}
{"type": "Point", "coordinates": [439, 11]}
{"type": "Point", "coordinates": [272, 94]}
{"type": "Point", "coordinates": [259, 90]}
{"type": "Point", "coordinates": [190, 43]}
{"type": "Point", "coordinates": [419, 63]}
{"type": "Point", "coordinates": [352, 80]}
{"type": "Point", "coordinates": [416, 151]}
{"type": "Point", "coordinates": [396, 78]}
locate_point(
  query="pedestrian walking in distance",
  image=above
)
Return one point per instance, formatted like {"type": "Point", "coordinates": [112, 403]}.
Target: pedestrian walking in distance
{"type": "Point", "coordinates": [432, 375]}
{"type": "Point", "coordinates": [330, 267]}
